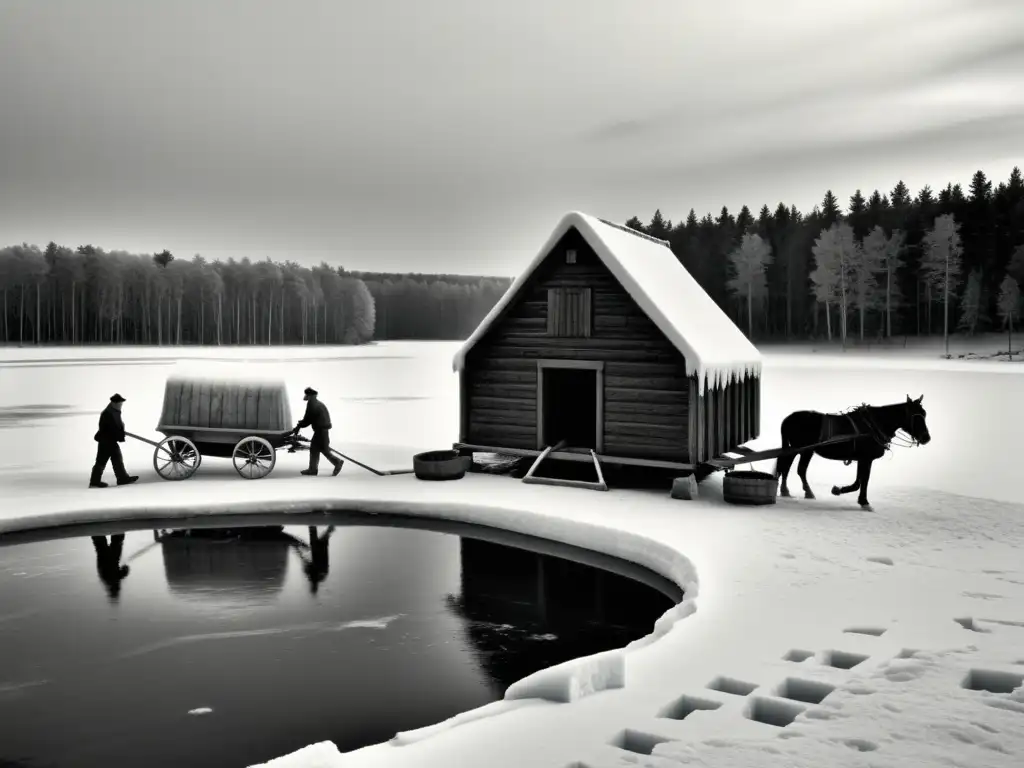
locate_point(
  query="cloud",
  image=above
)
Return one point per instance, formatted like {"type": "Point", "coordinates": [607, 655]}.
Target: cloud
{"type": "Point", "coordinates": [860, 61]}
{"type": "Point", "coordinates": [960, 138]}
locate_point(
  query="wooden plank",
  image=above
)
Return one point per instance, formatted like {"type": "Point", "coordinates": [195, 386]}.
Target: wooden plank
{"type": "Point", "coordinates": [172, 402]}
{"type": "Point", "coordinates": [185, 404]}
{"type": "Point", "coordinates": [675, 431]}
{"type": "Point", "coordinates": [509, 342]}
{"type": "Point", "coordinates": [723, 424]}
{"type": "Point", "coordinates": [216, 405]}
{"type": "Point", "coordinates": [514, 437]}
{"type": "Point", "coordinates": [645, 407]}
{"type": "Point", "coordinates": [667, 383]}
{"type": "Point", "coordinates": [464, 404]}
{"type": "Point", "coordinates": [264, 408]}
{"type": "Point", "coordinates": [203, 414]}
{"type": "Point", "coordinates": [645, 450]}
{"type": "Point", "coordinates": [712, 424]}
{"type": "Point", "coordinates": [727, 398]}
{"type": "Point", "coordinates": [504, 426]}
{"type": "Point", "coordinates": [499, 404]}
{"type": "Point", "coordinates": [588, 313]}
{"type": "Point", "coordinates": [229, 407]}
{"type": "Point", "coordinates": [507, 391]}
{"type": "Point", "coordinates": [757, 411]}
{"type": "Point", "coordinates": [745, 410]}
{"type": "Point", "coordinates": [251, 412]}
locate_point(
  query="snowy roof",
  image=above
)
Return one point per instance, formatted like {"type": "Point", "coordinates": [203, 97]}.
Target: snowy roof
{"type": "Point", "coordinates": [716, 351]}
{"type": "Point", "coordinates": [258, 374]}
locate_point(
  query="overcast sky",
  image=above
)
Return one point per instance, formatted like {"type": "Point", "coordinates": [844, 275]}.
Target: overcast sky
{"type": "Point", "coordinates": [451, 135]}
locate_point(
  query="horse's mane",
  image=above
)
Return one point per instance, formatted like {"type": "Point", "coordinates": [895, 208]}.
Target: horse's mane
{"type": "Point", "coordinates": [865, 411]}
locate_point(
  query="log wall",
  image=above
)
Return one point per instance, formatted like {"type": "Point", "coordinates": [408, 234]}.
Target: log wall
{"type": "Point", "coordinates": [256, 406]}
{"type": "Point", "coordinates": [646, 390]}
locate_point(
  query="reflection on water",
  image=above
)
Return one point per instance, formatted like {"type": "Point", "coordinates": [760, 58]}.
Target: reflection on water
{"type": "Point", "coordinates": [108, 563]}
{"type": "Point", "coordinates": [210, 647]}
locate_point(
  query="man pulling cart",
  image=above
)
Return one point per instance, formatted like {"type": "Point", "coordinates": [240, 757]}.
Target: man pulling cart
{"type": "Point", "coordinates": [108, 438]}
{"type": "Point", "coordinates": [317, 417]}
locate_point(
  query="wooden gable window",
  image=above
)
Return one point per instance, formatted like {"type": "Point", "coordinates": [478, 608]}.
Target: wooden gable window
{"type": "Point", "coordinates": [569, 312]}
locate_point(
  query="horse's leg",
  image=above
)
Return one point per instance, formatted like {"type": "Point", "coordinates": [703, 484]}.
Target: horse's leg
{"type": "Point", "coordinates": [782, 467]}
{"type": "Point", "coordinates": [837, 490]}
{"type": "Point", "coordinates": [801, 469]}
{"type": "Point", "coordinates": [783, 463]}
{"type": "Point", "coordinates": [863, 475]}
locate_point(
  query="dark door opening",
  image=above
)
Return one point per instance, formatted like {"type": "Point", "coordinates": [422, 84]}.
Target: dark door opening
{"type": "Point", "coordinates": [570, 407]}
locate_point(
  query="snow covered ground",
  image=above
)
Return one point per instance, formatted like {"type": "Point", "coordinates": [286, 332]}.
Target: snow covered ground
{"type": "Point", "coordinates": [928, 590]}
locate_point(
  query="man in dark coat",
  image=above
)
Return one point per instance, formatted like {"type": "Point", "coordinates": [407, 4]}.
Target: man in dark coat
{"type": "Point", "coordinates": [110, 434]}
{"type": "Point", "coordinates": [316, 416]}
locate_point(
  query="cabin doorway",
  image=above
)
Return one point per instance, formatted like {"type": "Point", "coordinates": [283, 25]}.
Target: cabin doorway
{"type": "Point", "coordinates": [569, 405]}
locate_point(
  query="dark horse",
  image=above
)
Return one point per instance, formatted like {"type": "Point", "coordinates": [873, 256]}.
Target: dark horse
{"type": "Point", "coordinates": [871, 428]}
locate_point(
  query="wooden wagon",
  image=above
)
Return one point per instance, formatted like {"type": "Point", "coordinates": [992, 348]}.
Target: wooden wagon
{"type": "Point", "coordinates": [245, 421]}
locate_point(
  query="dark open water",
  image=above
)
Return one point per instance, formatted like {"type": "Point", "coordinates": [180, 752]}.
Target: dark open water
{"type": "Point", "coordinates": [290, 636]}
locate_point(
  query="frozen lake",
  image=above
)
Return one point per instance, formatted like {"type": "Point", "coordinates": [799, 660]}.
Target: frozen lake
{"type": "Point", "coordinates": [228, 647]}
{"type": "Point", "coordinates": [405, 394]}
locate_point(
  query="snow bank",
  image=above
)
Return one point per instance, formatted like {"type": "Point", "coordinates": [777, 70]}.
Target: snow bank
{"type": "Point", "coordinates": [574, 679]}
{"type": "Point", "coordinates": [323, 754]}
{"type": "Point", "coordinates": [404, 738]}
{"type": "Point", "coordinates": [716, 351]}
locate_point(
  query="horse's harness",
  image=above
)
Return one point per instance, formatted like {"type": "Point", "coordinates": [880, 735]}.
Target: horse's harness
{"type": "Point", "coordinates": [874, 431]}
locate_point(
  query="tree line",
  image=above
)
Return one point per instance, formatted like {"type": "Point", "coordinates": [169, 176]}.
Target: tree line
{"type": "Point", "coordinates": [431, 307]}
{"type": "Point", "coordinates": [893, 263]}
{"type": "Point", "coordinates": [86, 295]}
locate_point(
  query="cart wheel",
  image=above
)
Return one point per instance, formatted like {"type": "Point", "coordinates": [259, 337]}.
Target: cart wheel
{"type": "Point", "coordinates": [176, 458]}
{"type": "Point", "coordinates": [253, 457]}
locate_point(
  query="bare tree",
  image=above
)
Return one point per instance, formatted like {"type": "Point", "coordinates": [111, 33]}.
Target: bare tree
{"type": "Point", "coordinates": [941, 263]}
{"type": "Point", "coordinates": [748, 264]}
{"type": "Point", "coordinates": [1009, 307]}
{"type": "Point", "coordinates": [867, 263]}
{"type": "Point", "coordinates": [835, 253]}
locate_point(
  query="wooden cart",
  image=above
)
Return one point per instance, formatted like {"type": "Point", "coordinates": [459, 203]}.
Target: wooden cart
{"type": "Point", "coordinates": [247, 422]}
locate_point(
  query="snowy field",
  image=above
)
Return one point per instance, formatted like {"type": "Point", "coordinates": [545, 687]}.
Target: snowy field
{"type": "Point", "coordinates": [925, 593]}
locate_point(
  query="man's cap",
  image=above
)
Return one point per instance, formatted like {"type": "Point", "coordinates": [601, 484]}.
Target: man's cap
{"type": "Point", "coordinates": [116, 398]}
{"type": "Point", "coordinates": [311, 391]}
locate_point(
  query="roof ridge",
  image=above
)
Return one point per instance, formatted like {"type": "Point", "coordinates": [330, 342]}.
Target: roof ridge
{"type": "Point", "coordinates": [636, 233]}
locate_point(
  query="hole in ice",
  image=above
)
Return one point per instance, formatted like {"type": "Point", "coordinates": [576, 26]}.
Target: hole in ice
{"type": "Point", "coordinates": [809, 691]}
{"type": "Point", "coordinates": [843, 659]}
{"type": "Point", "coordinates": [685, 706]}
{"type": "Point", "coordinates": [521, 604]}
{"type": "Point", "coordinates": [637, 741]}
{"type": "Point", "coordinates": [968, 623]}
{"type": "Point", "coordinates": [733, 686]}
{"type": "Point", "coordinates": [861, 745]}
{"type": "Point", "coordinates": [772, 711]}
{"type": "Point", "coordinates": [992, 681]}
{"type": "Point", "coordinates": [873, 631]}
{"type": "Point", "coordinates": [798, 655]}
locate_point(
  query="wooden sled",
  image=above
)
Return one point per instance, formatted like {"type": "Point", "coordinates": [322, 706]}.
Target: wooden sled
{"type": "Point", "coordinates": [531, 478]}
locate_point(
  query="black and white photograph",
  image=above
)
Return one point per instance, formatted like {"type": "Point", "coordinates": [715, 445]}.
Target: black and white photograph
{"type": "Point", "coordinates": [562, 384]}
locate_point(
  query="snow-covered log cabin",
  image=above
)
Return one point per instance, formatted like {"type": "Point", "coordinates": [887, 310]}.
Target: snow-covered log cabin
{"type": "Point", "coordinates": [608, 343]}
